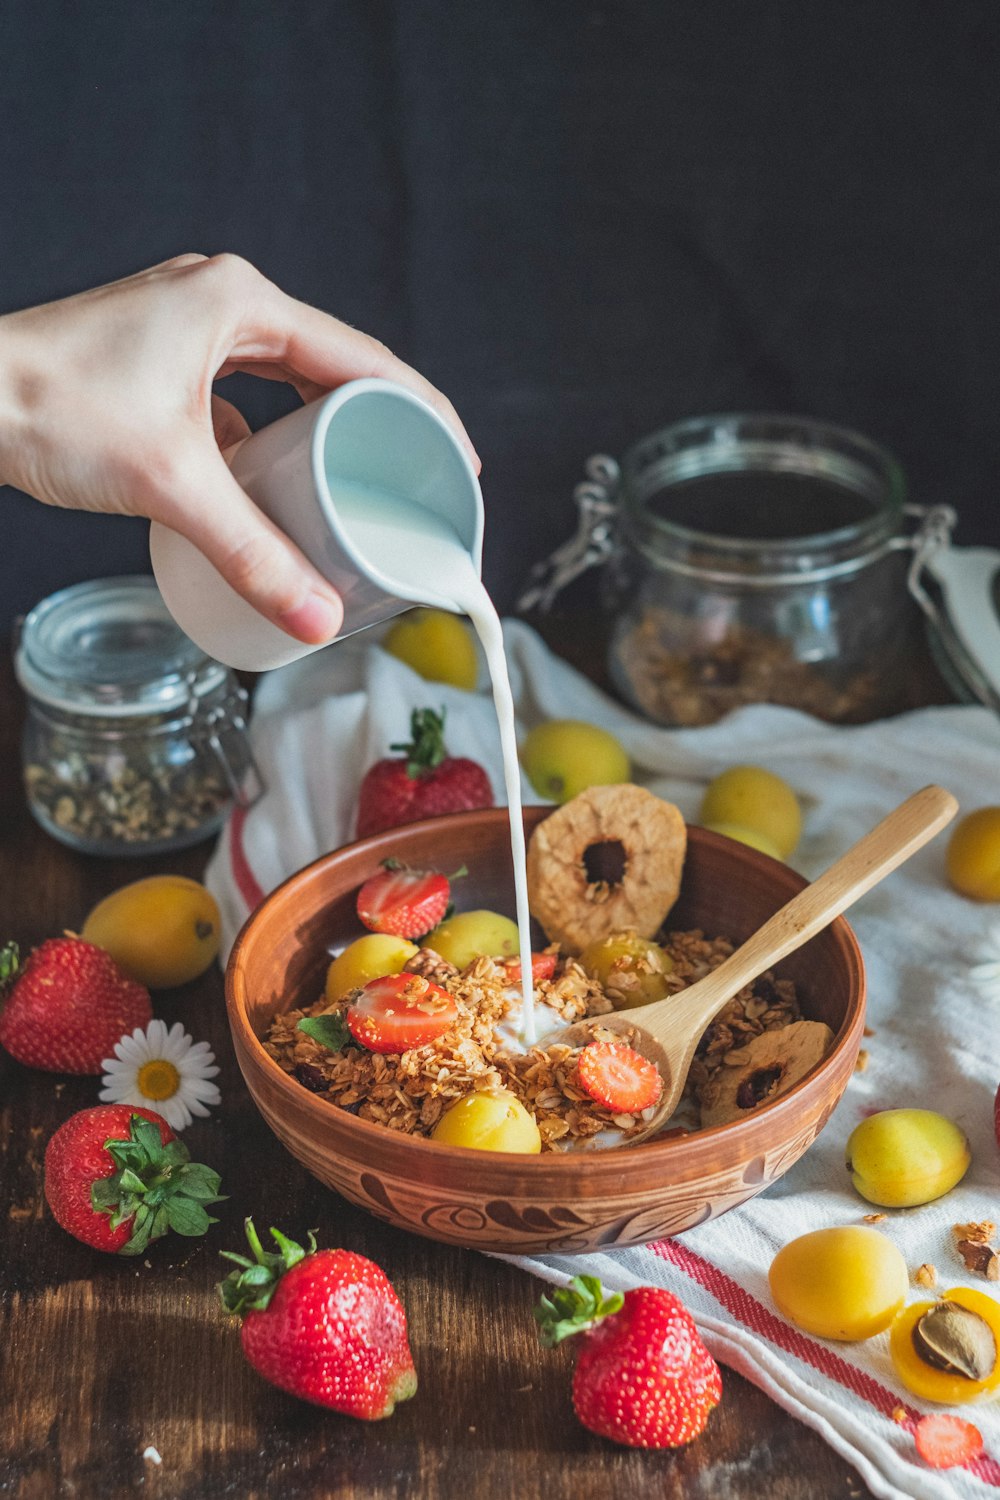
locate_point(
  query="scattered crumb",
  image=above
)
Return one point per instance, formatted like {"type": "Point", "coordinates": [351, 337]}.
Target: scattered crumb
{"type": "Point", "coordinates": [899, 1414]}
{"type": "Point", "coordinates": [869, 1031]}
{"type": "Point", "coordinates": [974, 1244]}
{"type": "Point", "coordinates": [472, 1429]}
{"type": "Point", "coordinates": [875, 1218]}
{"type": "Point", "coordinates": [521, 1389]}
{"type": "Point", "coordinates": [148, 1264]}
{"type": "Point", "coordinates": [151, 1455]}
{"type": "Point", "coordinates": [925, 1275]}
{"type": "Point", "coordinates": [981, 1258]}
{"type": "Point", "coordinates": [979, 1234]}
{"type": "Point", "coordinates": [862, 1062]}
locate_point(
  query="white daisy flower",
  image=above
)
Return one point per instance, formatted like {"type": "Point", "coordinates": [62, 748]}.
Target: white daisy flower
{"type": "Point", "coordinates": [986, 973]}
{"type": "Point", "coordinates": [164, 1070]}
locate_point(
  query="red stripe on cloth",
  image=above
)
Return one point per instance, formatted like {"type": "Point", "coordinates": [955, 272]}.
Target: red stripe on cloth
{"type": "Point", "coordinates": [246, 880]}
{"type": "Point", "coordinates": [759, 1319]}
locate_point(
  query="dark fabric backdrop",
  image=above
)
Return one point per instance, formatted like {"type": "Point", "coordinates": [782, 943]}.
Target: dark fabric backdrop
{"type": "Point", "coordinates": [581, 220]}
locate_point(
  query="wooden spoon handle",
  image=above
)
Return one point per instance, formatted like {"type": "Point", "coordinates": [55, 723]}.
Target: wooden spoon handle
{"type": "Point", "coordinates": [887, 845]}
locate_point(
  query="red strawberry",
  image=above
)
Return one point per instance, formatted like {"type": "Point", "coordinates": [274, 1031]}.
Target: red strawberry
{"type": "Point", "coordinates": [619, 1077]}
{"type": "Point", "coordinates": [945, 1441]}
{"type": "Point", "coordinates": [421, 783]}
{"type": "Point", "coordinates": [117, 1177]}
{"type": "Point", "coordinates": [68, 1007]}
{"type": "Point", "coordinates": [543, 966]}
{"type": "Point", "coordinates": [400, 1011]}
{"type": "Point", "coordinates": [325, 1325]}
{"type": "Point", "coordinates": [643, 1376]}
{"type": "Point", "coordinates": [406, 903]}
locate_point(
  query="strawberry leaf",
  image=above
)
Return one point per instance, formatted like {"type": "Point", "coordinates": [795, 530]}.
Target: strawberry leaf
{"type": "Point", "coordinates": [330, 1031]}
{"type": "Point", "coordinates": [252, 1286]}
{"type": "Point", "coordinates": [426, 750]}
{"type": "Point", "coordinates": [574, 1308]}
{"type": "Point", "coordinates": [157, 1187]}
{"type": "Point", "coordinates": [10, 957]}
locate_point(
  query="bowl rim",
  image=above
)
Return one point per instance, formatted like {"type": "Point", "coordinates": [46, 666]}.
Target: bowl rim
{"type": "Point", "coordinates": [549, 1169]}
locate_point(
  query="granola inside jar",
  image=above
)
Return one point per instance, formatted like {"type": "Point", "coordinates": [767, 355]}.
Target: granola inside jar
{"type": "Point", "coordinates": [758, 559]}
{"type": "Point", "coordinates": [134, 740]}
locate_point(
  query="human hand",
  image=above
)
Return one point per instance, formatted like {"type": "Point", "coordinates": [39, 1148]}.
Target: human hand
{"type": "Point", "coordinates": [106, 404]}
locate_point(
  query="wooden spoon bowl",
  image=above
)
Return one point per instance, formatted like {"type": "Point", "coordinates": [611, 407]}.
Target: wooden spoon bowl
{"type": "Point", "coordinates": [555, 1203]}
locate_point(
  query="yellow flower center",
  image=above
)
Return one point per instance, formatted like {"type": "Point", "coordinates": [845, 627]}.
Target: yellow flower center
{"type": "Point", "coordinates": [158, 1079]}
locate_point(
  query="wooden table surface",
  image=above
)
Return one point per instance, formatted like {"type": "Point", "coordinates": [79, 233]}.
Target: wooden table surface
{"type": "Point", "coordinates": [104, 1357]}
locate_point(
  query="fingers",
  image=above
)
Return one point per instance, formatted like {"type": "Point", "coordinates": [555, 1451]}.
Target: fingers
{"type": "Point", "coordinates": [206, 505]}
{"type": "Point", "coordinates": [230, 425]}
{"type": "Point", "coordinates": [330, 352]}
{"type": "Point", "coordinates": [275, 332]}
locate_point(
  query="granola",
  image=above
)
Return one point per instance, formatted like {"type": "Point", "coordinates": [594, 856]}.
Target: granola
{"type": "Point", "coordinates": [409, 1092]}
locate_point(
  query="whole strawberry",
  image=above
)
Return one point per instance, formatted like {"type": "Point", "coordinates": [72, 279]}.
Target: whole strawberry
{"type": "Point", "coordinates": [324, 1325]}
{"type": "Point", "coordinates": [423, 781]}
{"type": "Point", "coordinates": [68, 1006]}
{"type": "Point", "coordinates": [643, 1376]}
{"type": "Point", "coordinates": [116, 1177]}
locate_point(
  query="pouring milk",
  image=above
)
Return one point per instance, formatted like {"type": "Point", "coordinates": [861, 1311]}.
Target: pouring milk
{"type": "Point", "coordinates": [423, 558]}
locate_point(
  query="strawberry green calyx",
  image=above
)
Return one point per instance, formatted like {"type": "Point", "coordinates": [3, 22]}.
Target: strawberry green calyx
{"type": "Point", "coordinates": [158, 1187]}
{"type": "Point", "coordinates": [574, 1309]}
{"type": "Point", "coordinates": [10, 958]}
{"type": "Point", "coordinates": [252, 1286]}
{"type": "Point", "coordinates": [426, 749]}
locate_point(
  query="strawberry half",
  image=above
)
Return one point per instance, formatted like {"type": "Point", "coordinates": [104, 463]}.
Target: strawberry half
{"type": "Point", "coordinates": [400, 1011]}
{"type": "Point", "coordinates": [403, 902]}
{"type": "Point", "coordinates": [325, 1325]}
{"type": "Point", "coordinates": [946, 1442]}
{"type": "Point", "coordinates": [619, 1077]}
{"type": "Point", "coordinates": [116, 1177]}
{"type": "Point", "coordinates": [68, 1006]}
{"type": "Point", "coordinates": [643, 1377]}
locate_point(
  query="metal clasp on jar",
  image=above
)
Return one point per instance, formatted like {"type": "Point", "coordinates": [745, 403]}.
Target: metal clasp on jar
{"type": "Point", "coordinates": [592, 543]}
{"type": "Point", "coordinates": [224, 728]}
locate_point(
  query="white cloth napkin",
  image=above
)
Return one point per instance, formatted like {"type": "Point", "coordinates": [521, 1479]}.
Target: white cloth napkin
{"type": "Point", "coordinates": [320, 723]}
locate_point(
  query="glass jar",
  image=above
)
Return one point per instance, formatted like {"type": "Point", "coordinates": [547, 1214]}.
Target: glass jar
{"type": "Point", "coordinates": [135, 741]}
{"type": "Point", "coordinates": [750, 558]}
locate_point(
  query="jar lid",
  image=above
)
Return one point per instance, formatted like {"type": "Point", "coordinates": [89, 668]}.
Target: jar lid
{"type": "Point", "coordinates": [110, 647]}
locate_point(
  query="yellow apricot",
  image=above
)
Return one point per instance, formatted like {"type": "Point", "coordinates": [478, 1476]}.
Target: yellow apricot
{"type": "Point", "coordinates": [899, 1158]}
{"type": "Point", "coordinates": [437, 644]}
{"type": "Point", "coordinates": [368, 957]}
{"type": "Point", "coordinates": [748, 836]}
{"type": "Point", "coordinates": [973, 855]}
{"type": "Point", "coordinates": [489, 1122]}
{"type": "Point", "coordinates": [163, 930]}
{"type": "Point", "coordinates": [754, 798]}
{"type": "Point", "coordinates": [845, 1283]}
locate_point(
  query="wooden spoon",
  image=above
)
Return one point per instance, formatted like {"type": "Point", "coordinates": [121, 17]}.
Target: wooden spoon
{"type": "Point", "coordinates": [668, 1031]}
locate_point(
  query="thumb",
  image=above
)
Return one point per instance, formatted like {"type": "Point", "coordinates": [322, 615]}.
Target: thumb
{"type": "Point", "coordinates": [255, 558]}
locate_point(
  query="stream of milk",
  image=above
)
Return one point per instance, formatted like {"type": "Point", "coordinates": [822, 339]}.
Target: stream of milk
{"type": "Point", "coordinates": [422, 558]}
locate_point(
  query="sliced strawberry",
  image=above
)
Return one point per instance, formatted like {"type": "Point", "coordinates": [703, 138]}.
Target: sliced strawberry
{"type": "Point", "coordinates": [406, 903]}
{"type": "Point", "coordinates": [619, 1077]}
{"type": "Point", "coordinates": [945, 1441]}
{"type": "Point", "coordinates": [543, 966]}
{"type": "Point", "coordinates": [400, 1011]}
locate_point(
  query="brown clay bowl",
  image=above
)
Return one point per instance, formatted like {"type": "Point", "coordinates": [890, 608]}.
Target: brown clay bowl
{"type": "Point", "coordinates": [557, 1203]}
